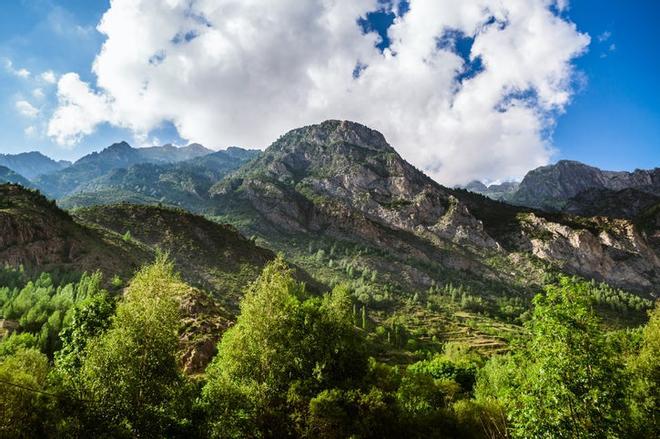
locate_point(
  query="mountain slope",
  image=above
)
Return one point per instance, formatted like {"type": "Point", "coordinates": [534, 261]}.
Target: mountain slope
{"type": "Point", "coordinates": [550, 187]}
{"type": "Point", "coordinates": [181, 184]}
{"type": "Point", "coordinates": [343, 182]}
{"type": "Point", "coordinates": [208, 254]}
{"type": "Point", "coordinates": [502, 191]}
{"type": "Point", "coordinates": [32, 164]}
{"type": "Point", "coordinates": [9, 176]}
{"type": "Point", "coordinates": [116, 156]}
{"type": "Point", "coordinates": [625, 203]}
{"type": "Point", "coordinates": [35, 233]}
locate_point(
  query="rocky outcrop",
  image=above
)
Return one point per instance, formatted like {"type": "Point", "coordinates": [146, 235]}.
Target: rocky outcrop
{"type": "Point", "coordinates": [550, 187]}
{"type": "Point", "coordinates": [203, 322]}
{"type": "Point", "coordinates": [343, 181]}
{"type": "Point", "coordinates": [35, 233]}
{"type": "Point", "coordinates": [603, 249]}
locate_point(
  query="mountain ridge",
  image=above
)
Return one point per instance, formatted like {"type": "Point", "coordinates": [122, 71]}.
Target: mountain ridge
{"type": "Point", "coordinates": [32, 164]}
{"type": "Point", "coordinates": [577, 188]}
{"type": "Point", "coordinates": [304, 185]}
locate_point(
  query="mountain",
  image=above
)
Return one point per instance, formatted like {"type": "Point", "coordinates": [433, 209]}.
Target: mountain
{"type": "Point", "coordinates": [40, 236]}
{"type": "Point", "coordinates": [339, 184]}
{"type": "Point", "coordinates": [204, 251]}
{"type": "Point", "coordinates": [551, 186]}
{"type": "Point", "coordinates": [576, 188]}
{"type": "Point", "coordinates": [502, 191]}
{"type": "Point", "coordinates": [179, 184]}
{"type": "Point", "coordinates": [9, 176]}
{"type": "Point", "coordinates": [32, 164]}
{"type": "Point", "coordinates": [116, 156]}
{"type": "Point", "coordinates": [625, 203]}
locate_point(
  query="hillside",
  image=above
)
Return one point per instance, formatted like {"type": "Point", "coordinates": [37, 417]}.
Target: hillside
{"type": "Point", "coordinates": [213, 256]}
{"type": "Point", "coordinates": [575, 188]}
{"type": "Point", "coordinates": [32, 164]}
{"type": "Point", "coordinates": [39, 235]}
{"type": "Point", "coordinates": [182, 184]}
{"type": "Point", "coordinates": [342, 184]}
{"type": "Point", "coordinates": [117, 156]}
{"type": "Point", "coordinates": [9, 176]}
{"type": "Point", "coordinates": [552, 186]}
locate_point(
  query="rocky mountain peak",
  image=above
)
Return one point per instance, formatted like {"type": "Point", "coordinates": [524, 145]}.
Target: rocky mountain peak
{"type": "Point", "coordinates": [119, 146]}
{"type": "Point", "coordinates": [333, 132]}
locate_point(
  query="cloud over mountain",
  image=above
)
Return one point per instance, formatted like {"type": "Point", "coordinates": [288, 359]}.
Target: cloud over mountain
{"type": "Point", "coordinates": [462, 89]}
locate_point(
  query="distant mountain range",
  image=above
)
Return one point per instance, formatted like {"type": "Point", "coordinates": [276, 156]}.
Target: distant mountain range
{"type": "Point", "coordinates": [31, 164]}
{"type": "Point", "coordinates": [9, 176]}
{"type": "Point", "coordinates": [580, 189]}
{"type": "Point", "coordinates": [340, 187]}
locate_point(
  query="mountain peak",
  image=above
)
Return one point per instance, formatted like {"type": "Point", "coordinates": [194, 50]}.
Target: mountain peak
{"type": "Point", "coordinates": [337, 131]}
{"type": "Point", "coordinates": [119, 146]}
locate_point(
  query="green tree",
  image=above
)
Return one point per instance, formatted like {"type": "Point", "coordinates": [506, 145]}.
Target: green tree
{"type": "Point", "coordinates": [567, 381]}
{"type": "Point", "coordinates": [645, 389]}
{"type": "Point", "coordinates": [24, 400]}
{"type": "Point", "coordinates": [90, 318]}
{"type": "Point", "coordinates": [130, 372]}
{"type": "Point", "coordinates": [284, 349]}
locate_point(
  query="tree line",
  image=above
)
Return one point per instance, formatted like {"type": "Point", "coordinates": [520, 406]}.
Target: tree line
{"type": "Point", "coordinates": [296, 364]}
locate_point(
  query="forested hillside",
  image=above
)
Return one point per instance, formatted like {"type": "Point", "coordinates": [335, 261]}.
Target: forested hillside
{"type": "Point", "coordinates": [295, 364]}
{"type": "Point", "coordinates": [322, 288]}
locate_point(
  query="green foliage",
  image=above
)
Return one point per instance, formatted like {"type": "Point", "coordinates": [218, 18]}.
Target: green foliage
{"type": "Point", "coordinates": [567, 380]}
{"type": "Point", "coordinates": [295, 365]}
{"type": "Point", "coordinates": [42, 307]}
{"type": "Point", "coordinates": [130, 371]}
{"type": "Point", "coordinates": [90, 318]}
{"type": "Point", "coordinates": [24, 410]}
{"type": "Point", "coordinates": [285, 349]}
{"type": "Point", "coordinates": [645, 369]}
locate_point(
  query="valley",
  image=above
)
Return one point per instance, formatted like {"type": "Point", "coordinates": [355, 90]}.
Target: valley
{"type": "Point", "coordinates": [427, 268]}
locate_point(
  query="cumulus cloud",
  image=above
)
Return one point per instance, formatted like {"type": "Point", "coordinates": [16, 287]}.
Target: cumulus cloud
{"type": "Point", "coordinates": [80, 111]}
{"type": "Point", "coordinates": [26, 109]}
{"type": "Point", "coordinates": [242, 72]}
{"type": "Point", "coordinates": [38, 93]}
{"type": "Point", "coordinates": [30, 131]}
{"type": "Point", "coordinates": [49, 77]}
{"type": "Point", "coordinates": [20, 72]}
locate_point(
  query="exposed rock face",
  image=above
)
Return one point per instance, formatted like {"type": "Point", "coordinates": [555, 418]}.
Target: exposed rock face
{"type": "Point", "coordinates": [301, 179]}
{"type": "Point", "coordinates": [612, 251]}
{"type": "Point", "coordinates": [551, 186]}
{"type": "Point", "coordinates": [35, 233]}
{"type": "Point", "coordinates": [342, 180]}
{"type": "Point", "coordinates": [202, 324]}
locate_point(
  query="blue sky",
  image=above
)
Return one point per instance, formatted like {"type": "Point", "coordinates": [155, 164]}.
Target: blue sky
{"type": "Point", "coordinates": [612, 122]}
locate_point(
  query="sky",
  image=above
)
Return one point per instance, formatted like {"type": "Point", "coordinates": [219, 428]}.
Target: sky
{"type": "Point", "coordinates": [485, 89]}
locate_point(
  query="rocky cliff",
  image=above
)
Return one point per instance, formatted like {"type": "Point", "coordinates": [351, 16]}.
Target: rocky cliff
{"type": "Point", "coordinates": [343, 181]}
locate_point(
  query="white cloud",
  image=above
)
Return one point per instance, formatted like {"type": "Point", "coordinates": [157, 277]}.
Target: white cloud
{"type": "Point", "coordinates": [604, 36]}
{"type": "Point", "coordinates": [242, 72]}
{"type": "Point", "coordinates": [38, 93]}
{"type": "Point", "coordinates": [49, 77]}
{"type": "Point", "coordinates": [26, 109]}
{"type": "Point", "coordinates": [80, 111]}
{"type": "Point", "coordinates": [30, 131]}
{"type": "Point", "coordinates": [21, 72]}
